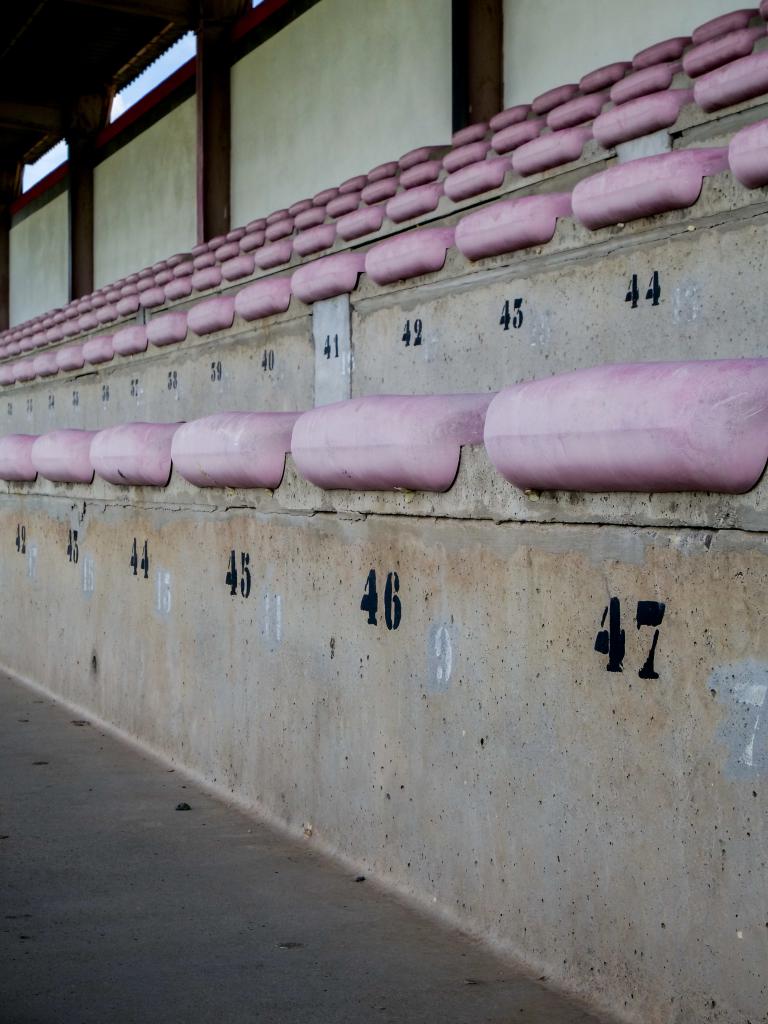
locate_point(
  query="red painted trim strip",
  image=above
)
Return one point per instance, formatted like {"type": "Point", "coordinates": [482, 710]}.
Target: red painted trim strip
{"type": "Point", "coordinates": [42, 186]}
{"type": "Point", "coordinates": [255, 17]}
{"type": "Point", "coordinates": [157, 95]}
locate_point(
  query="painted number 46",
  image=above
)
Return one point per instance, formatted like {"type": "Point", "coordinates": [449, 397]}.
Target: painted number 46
{"type": "Point", "coordinates": [392, 605]}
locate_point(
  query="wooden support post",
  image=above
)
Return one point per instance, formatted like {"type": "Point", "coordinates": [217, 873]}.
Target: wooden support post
{"type": "Point", "coordinates": [213, 117]}
{"type": "Point", "coordinates": [88, 115]}
{"type": "Point", "coordinates": [10, 183]}
{"type": "Point", "coordinates": [478, 73]}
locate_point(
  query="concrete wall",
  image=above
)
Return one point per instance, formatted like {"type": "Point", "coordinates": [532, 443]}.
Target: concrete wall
{"type": "Point", "coordinates": [39, 262]}
{"type": "Point", "coordinates": [345, 87]}
{"type": "Point", "coordinates": [145, 197]}
{"type": "Point", "coordinates": [549, 42]}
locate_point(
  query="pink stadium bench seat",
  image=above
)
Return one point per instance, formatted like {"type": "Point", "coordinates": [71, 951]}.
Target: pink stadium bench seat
{"type": "Point", "coordinates": [99, 349]}
{"type": "Point", "coordinates": [239, 267]}
{"type": "Point", "coordinates": [604, 77]}
{"type": "Point", "coordinates": [325, 278]}
{"type": "Point", "coordinates": [511, 224]}
{"type": "Point", "coordinates": [645, 187]}
{"type": "Point", "coordinates": [421, 174]}
{"type": "Point", "coordinates": [414, 202]}
{"type": "Point", "coordinates": [553, 98]}
{"type": "Point", "coordinates": [314, 240]}
{"type": "Point", "coordinates": [360, 222]}
{"type": "Point", "coordinates": [64, 456]}
{"type": "Point", "coordinates": [234, 449]}
{"type": "Point", "coordinates": [274, 254]}
{"type": "Point", "coordinates": [475, 179]}
{"type": "Point", "coordinates": [748, 155]}
{"type": "Point", "coordinates": [388, 442]}
{"type": "Point", "coordinates": [693, 426]}
{"type": "Point", "coordinates": [167, 328]}
{"type": "Point", "coordinates": [279, 229]}
{"type": "Point", "coordinates": [642, 116]}
{"type": "Point", "coordinates": [551, 149]}
{"type": "Point", "coordinates": [211, 315]}
{"type": "Point", "coordinates": [579, 110]}
{"type": "Point", "coordinates": [723, 24]}
{"type": "Point", "coordinates": [208, 277]}
{"type": "Point", "coordinates": [309, 218]}
{"type": "Point", "coordinates": [408, 255]}
{"type": "Point", "coordinates": [16, 458]}
{"type": "Point", "coordinates": [70, 357]}
{"type": "Point", "coordinates": [137, 454]}
{"type": "Point", "coordinates": [655, 78]}
{"type": "Point", "coordinates": [469, 153]}
{"type": "Point", "coordinates": [722, 50]}
{"type": "Point", "coordinates": [742, 79]}
{"type": "Point", "coordinates": [661, 53]}
{"type": "Point", "coordinates": [130, 340]}
{"type": "Point", "coordinates": [263, 298]}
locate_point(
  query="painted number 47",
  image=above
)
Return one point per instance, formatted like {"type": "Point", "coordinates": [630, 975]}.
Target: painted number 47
{"type": "Point", "coordinates": [612, 641]}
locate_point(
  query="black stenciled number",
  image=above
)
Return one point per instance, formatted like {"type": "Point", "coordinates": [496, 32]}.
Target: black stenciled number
{"type": "Point", "coordinates": [268, 359]}
{"type": "Point", "coordinates": [652, 295]}
{"type": "Point", "coordinates": [135, 564]}
{"type": "Point", "coordinates": [612, 641]}
{"type": "Point", "coordinates": [134, 387]}
{"type": "Point", "coordinates": [370, 601]}
{"type": "Point", "coordinates": [511, 316]}
{"type": "Point", "coordinates": [331, 349]}
{"type": "Point", "coordinates": [245, 573]}
{"type": "Point", "coordinates": [73, 551]}
{"type": "Point", "coordinates": [654, 289]}
{"type": "Point", "coordinates": [173, 380]}
{"type": "Point", "coordinates": [51, 401]}
{"type": "Point", "coordinates": [10, 408]}
{"type": "Point", "coordinates": [231, 578]}
{"type": "Point", "coordinates": [392, 606]}
{"type": "Point", "coordinates": [75, 398]}
{"type": "Point", "coordinates": [417, 329]}
{"type": "Point", "coordinates": [650, 613]}
{"type": "Point", "coordinates": [29, 405]}
{"type": "Point", "coordinates": [105, 392]}
{"type": "Point", "coordinates": [21, 538]}
{"type": "Point", "coordinates": [216, 370]}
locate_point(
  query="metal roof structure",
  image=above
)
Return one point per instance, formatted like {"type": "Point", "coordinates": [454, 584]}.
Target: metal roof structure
{"type": "Point", "coordinates": [56, 51]}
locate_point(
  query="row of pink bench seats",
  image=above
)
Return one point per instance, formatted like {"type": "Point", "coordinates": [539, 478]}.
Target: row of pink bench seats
{"type": "Point", "coordinates": [628, 427]}
{"type": "Point", "coordinates": [717, 66]}
{"type": "Point", "coordinates": [624, 192]}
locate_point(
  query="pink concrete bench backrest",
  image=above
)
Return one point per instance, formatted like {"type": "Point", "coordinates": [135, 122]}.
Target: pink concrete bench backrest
{"type": "Point", "coordinates": [553, 98]}
{"type": "Point", "coordinates": [324, 278]}
{"type": "Point", "coordinates": [551, 150]}
{"type": "Point", "coordinates": [408, 255]}
{"type": "Point", "coordinates": [508, 116]}
{"type": "Point", "coordinates": [511, 224]}
{"type": "Point", "coordinates": [647, 80]}
{"type": "Point", "coordinates": [645, 187]}
{"type": "Point", "coordinates": [748, 155]}
{"type": "Point", "coordinates": [388, 442]}
{"type": "Point", "coordinates": [64, 456]}
{"type": "Point", "coordinates": [45, 364]}
{"type": "Point", "coordinates": [696, 426]}
{"type": "Point", "coordinates": [134, 453]}
{"type": "Point", "coordinates": [16, 457]}
{"type": "Point", "coordinates": [234, 449]}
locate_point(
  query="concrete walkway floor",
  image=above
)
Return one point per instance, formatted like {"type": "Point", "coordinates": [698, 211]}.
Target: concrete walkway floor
{"type": "Point", "coordinates": [116, 908]}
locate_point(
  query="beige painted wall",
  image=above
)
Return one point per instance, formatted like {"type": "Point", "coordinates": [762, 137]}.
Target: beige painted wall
{"type": "Point", "coordinates": [39, 261]}
{"type": "Point", "coordinates": [549, 42]}
{"type": "Point", "coordinates": [144, 197]}
{"type": "Point", "coordinates": [346, 86]}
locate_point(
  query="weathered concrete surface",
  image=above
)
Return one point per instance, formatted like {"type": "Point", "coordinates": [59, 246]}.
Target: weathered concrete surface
{"type": "Point", "coordinates": [116, 907]}
{"type": "Point", "coordinates": [605, 828]}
